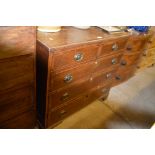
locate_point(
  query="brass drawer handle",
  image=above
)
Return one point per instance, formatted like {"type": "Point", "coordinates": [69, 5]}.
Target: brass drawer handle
{"type": "Point", "coordinates": [108, 75]}
{"type": "Point", "coordinates": [123, 62]}
{"type": "Point", "coordinates": [129, 48]}
{"type": "Point", "coordinates": [104, 90]}
{"type": "Point", "coordinates": [115, 47]}
{"type": "Point", "coordinates": [78, 57]}
{"type": "Point", "coordinates": [118, 77]}
{"type": "Point", "coordinates": [65, 96]}
{"type": "Point", "coordinates": [68, 78]}
{"type": "Point", "coordinates": [62, 113]}
{"type": "Point", "coordinates": [114, 61]}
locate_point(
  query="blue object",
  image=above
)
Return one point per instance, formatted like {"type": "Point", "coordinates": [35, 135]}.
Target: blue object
{"type": "Point", "coordinates": [139, 28]}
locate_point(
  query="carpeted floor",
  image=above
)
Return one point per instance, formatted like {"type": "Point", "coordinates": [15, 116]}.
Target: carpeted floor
{"type": "Point", "coordinates": [129, 105]}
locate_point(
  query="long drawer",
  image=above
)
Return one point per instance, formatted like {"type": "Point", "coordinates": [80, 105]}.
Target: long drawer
{"type": "Point", "coordinates": [74, 57]}
{"type": "Point", "coordinates": [16, 71]}
{"type": "Point", "coordinates": [70, 107]}
{"type": "Point", "coordinates": [14, 103]}
{"type": "Point", "coordinates": [69, 76]}
{"type": "Point", "coordinates": [111, 61]}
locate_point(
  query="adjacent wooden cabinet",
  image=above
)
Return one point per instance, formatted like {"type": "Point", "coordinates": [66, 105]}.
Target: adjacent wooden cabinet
{"type": "Point", "coordinates": [17, 77]}
{"type": "Point", "coordinates": [76, 67]}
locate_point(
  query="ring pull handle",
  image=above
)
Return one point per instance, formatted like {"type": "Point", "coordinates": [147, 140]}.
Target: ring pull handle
{"type": "Point", "coordinates": [78, 57]}
{"type": "Point", "coordinates": [115, 47]}
{"type": "Point", "coordinates": [63, 112]}
{"type": "Point", "coordinates": [114, 61]}
{"type": "Point", "coordinates": [65, 96]}
{"type": "Point", "coordinates": [68, 78]}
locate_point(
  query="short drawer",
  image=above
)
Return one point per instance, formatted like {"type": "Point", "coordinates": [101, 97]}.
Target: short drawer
{"type": "Point", "coordinates": [112, 47]}
{"type": "Point", "coordinates": [61, 96]}
{"type": "Point", "coordinates": [135, 44]}
{"type": "Point", "coordinates": [110, 61]}
{"type": "Point", "coordinates": [69, 76]}
{"type": "Point", "coordinates": [68, 109]}
{"type": "Point", "coordinates": [16, 71]}
{"type": "Point", "coordinates": [97, 92]}
{"type": "Point", "coordinates": [13, 103]}
{"type": "Point", "coordinates": [74, 57]}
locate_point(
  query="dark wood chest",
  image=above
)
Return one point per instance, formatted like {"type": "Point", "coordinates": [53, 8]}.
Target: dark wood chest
{"type": "Point", "coordinates": [76, 67]}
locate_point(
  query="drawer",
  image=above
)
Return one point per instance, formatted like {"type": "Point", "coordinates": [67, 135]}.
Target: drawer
{"type": "Point", "coordinates": [102, 78]}
{"type": "Point", "coordinates": [74, 57]}
{"type": "Point", "coordinates": [112, 47]}
{"type": "Point", "coordinates": [16, 71]}
{"type": "Point", "coordinates": [110, 61]}
{"type": "Point", "coordinates": [13, 103]}
{"type": "Point", "coordinates": [26, 120]}
{"type": "Point", "coordinates": [122, 75]}
{"type": "Point", "coordinates": [61, 96]}
{"type": "Point", "coordinates": [135, 44]}
{"type": "Point", "coordinates": [68, 109]}
{"type": "Point", "coordinates": [130, 59]}
{"type": "Point", "coordinates": [67, 77]}
{"type": "Point", "coordinates": [97, 92]}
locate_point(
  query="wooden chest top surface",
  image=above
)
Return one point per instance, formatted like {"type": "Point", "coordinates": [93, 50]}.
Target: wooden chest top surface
{"type": "Point", "coordinates": [70, 36]}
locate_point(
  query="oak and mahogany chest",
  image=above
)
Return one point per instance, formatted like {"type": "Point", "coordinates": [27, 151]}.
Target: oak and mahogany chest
{"type": "Point", "coordinates": [76, 67]}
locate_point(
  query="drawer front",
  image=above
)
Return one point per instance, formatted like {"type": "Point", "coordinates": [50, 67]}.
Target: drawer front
{"type": "Point", "coordinates": [14, 103]}
{"type": "Point", "coordinates": [130, 59]}
{"type": "Point", "coordinates": [26, 120]}
{"type": "Point", "coordinates": [97, 92]}
{"type": "Point", "coordinates": [59, 97]}
{"type": "Point", "coordinates": [135, 44]}
{"type": "Point", "coordinates": [69, 108]}
{"type": "Point", "coordinates": [16, 71]}
{"type": "Point", "coordinates": [74, 57]}
{"type": "Point", "coordinates": [102, 78]}
{"type": "Point", "coordinates": [122, 75]}
{"type": "Point", "coordinates": [67, 77]}
{"type": "Point", "coordinates": [17, 40]}
{"type": "Point", "coordinates": [110, 61]}
{"type": "Point", "coordinates": [112, 47]}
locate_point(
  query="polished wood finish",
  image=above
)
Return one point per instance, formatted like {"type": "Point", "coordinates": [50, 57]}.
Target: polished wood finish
{"type": "Point", "coordinates": [17, 77]}
{"type": "Point", "coordinates": [76, 67]}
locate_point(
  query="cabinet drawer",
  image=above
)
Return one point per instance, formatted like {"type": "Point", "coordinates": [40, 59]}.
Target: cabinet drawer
{"type": "Point", "coordinates": [69, 108]}
{"type": "Point", "coordinates": [59, 97]}
{"type": "Point", "coordinates": [67, 77]}
{"type": "Point", "coordinates": [122, 75]}
{"type": "Point", "coordinates": [136, 44]}
{"type": "Point", "coordinates": [13, 103]}
{"type": "Point", "coordinates": [130, 59]}
{"type": "Point", "coordinates": [112, 47]}
{"type": "Point", "coordinates": [102, 78]}
{"type": "Point", "coordinates": [110, 61]}
{"type": "Point", "coordinates": [26, 120]}
{"type": "Point", "coordinates": [74, 57]}
{"type": "Point", "coordinates": [16, 71]}
{"type": "Point", "coordinates": [97, 92]}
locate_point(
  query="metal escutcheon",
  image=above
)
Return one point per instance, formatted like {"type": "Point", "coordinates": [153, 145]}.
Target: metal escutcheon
{"type": "Point", "coordinates": [68, 78]}
{"type": "Point", "coordinates": [78, 57]}
{"type": "Point", "coordinates": [114, 47]}
{"type": "Point", "coordinates": [114, 61]}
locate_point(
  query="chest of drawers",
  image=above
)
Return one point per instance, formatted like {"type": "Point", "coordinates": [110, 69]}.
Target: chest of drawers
{"type": "Point", "coordinates": [17, 77]}
{"type": "Point", "coordinates": [76, 67]}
